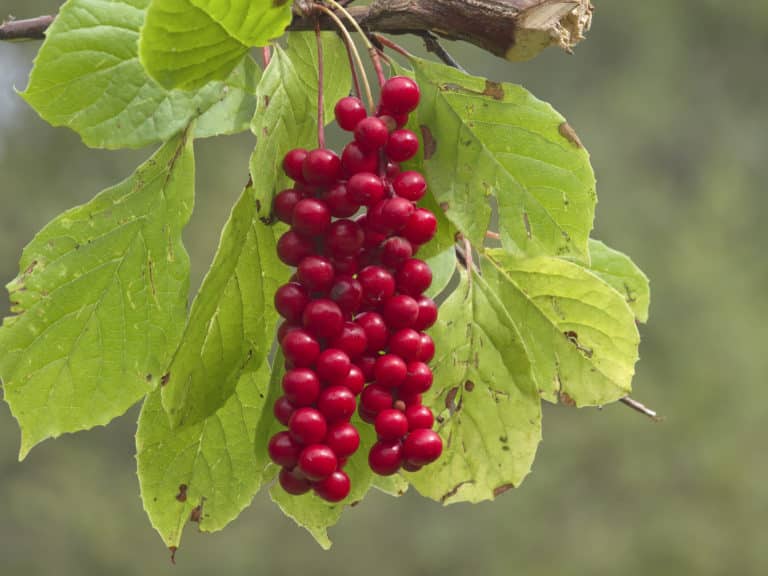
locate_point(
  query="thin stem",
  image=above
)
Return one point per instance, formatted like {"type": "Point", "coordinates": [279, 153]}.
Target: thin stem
{"type": "Point", "coordinates": [351, 44]}
{"type": "Point", "coordinates": [389, 44]}
{"type": "Point", "coordinates": [376, 59]}
{"type": "Point", "coordinates": [320, 97]}
{"type": "Point", "coordinates": [642, 408]}
{"type": "Point", "coordinates": [352, 21]}
{"type": "Point", "coordinates": [353, 69]}
{"type": "Point", "coordinates": [266, 55]}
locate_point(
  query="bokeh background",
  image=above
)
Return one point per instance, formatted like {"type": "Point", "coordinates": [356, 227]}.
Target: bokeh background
{"type": "Point", "coordinates": [671, 98]}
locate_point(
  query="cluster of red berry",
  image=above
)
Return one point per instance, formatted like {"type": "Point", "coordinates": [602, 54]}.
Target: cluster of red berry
{"type": "Point", "coordinates": [354, 311]}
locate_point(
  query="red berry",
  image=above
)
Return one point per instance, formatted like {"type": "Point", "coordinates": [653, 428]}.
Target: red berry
{"type": "Point", "coordinates": [307, 426]}
{"type": "Point", "coordinates": [390, 371]}
{"type": "Point", "coordinates": [408, 467]}
{"type": "Point", "coordinates": [316, 273]}
{"type": "Point", "coordinates": [343, 439]}
{"type": "Point", "coordinates": [290, 301]}
{"type": "Point", "coordinates": [400, 95]}
{"type": "Point", "coordinates": [317, 462]}
{"type": "Point", "coordinates": [284, 204]}
{"type": "Point", "coordinates": [349, 111]}
{"type": "Point", "coordinates": [409, 399]}
{"type": "Point", "coordinates": [395, 213]}
{"type": "Point", "coordinates": [352, 340]}
{"type": "Point", "coordinates": [391, 424]}
{"type": "Point", "coordinates": [347, 266]}
{"type": "Point", "coordinates": [386, 457]}
{"type": "Point", "coordinates": [344, 238]}
{"type": "Point", "coordinates": [300, 348]}
{"type": "Point", "coordinates": [366, 365]}
{"type": "Point", "coordinates": [375, 398]}
{"type": "Point", "coordinates": [366, 416]}
{"type": "Point", "coordinates": [375, 329]}
{"type": "Point", "coordinates": [355, 381]}
{"type": "Point", "coordinates": [294, 482]}
{"type": "Point", "coordinates": [292, 248]}
{"type": "Point", "coordinates": [347, 293]}
{"type": "Point", "coordinates": [301, 386]}
{"type": "Point", "coordinates": [427, 349]}
{"type": "Point", "coordinates": [427, 313]}
{"type": "Point", "coordinates": [418, 378]}
{"type": "Point", "coordinates": [321, 167]}
{"type": "Point", "coordinates": [375, 219]}
{"type": "Point", "coordinates": [337, 403]}
{"type": "Point", "coordinates": [414, 277]}
{"type": "Point", "coordinates": [422, 447]}
{"type": "Point", "coordinates": [419, 417]}
{"type": "Point", "coordinates": [355, 160]}
{"type": "Point", "coordinates": [334, 488]}
{"type": "Point", "coordinates": [400, 311]}
{"type": "Point", "coordinates": [339, 203]}
{"type": "Point", "coordinates": [371, 133]}
{"type": "Point", "coordinates": [323, 318]}
{"type": "Point", "coordinates": [283, 450]}
{"type": "Point", "coordinates": [421, 227]}
{"type": "Point", "coordinates": [402, 145]}
{"type": "Point", "coordinates": [395, 251]}
{"type": "Point", "coordinates": [311, 217]}
{"type": "Point", "coordinates": [410, 185]}
{"type": "Point", "coordinates": [292, 163]}
{"type": "Point", "coordinates": [332, 366]}
{"type": "Point", "coordinates": [377, 283]}
{"type": "Point", "coordinates": [393, 169]}
{"type": "Point", "coordinates": [406, 343]}
{"type": "Point", "coordinates": [365, 188]}
{"type": "Point", "coordinates": [283, 409]}
{"type": "Point", "coordinates": [284, 328]}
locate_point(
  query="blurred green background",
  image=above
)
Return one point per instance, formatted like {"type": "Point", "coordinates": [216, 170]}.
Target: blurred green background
{"type": "Point", "coordinates": [671, 98]}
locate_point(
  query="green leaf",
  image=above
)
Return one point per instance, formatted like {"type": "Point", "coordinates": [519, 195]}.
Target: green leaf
{"type": "Point", "coordinates": [232, 321]}
{"type": "Point", "coordinates": [579, 331]}
{"type": "Point", "coordinates": [492, 143]}
{"type": "Point", "coordinates": [286, 116]}
{"type": "Point", "coordinates": [317, 515]}
{"type": "Point", "coordinates": [100, 302]}
{"type": "Point", "coordinates": [208, 471]}
{"type": "Point", "coordinates": [87, 76]}
{"type": "Point", "coordinates": [484, 397]}
{"type": "Point", "coordinates": [181, 46]}
{"type": "Point", "coordinates": [619, 271]}
{"type": "Point", "coordinates": [252, 22]}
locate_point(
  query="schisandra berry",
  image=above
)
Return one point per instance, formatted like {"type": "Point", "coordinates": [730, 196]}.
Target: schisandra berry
{"type": "Point", "coordinates": [427, 348]}
{"type": "Point", "coordinates": [283, 410]}
{"type": "Point", "coordinates": [338, 201]}
{"type": "Point", "coordinates": [376, 332]}
{"type": "Point", "coordinates": [311, 217]}
{"type": "Point", "coordinates": [301, 348]}
{"type": "Point", "coordinates": [323, 318]}
{"type": "Point", "coordinates": [317, 462]}
{"type": "Point", "coordinates": [402, 145]}
{"type": "Point", "coordinates": [386, 457]}
{"type": "Point", "coordinates": [301, 386]}
{"type": "Point", "coordinates": [344, 238]}
{"type": "Point", "coordinates": [290, 301]}
{"type": "Point", "coordinates": [391, 424]}
{"type": "Point", "coordinates": [410, 185]}
{"type": "Point", "coordinates": [337, 403]}
{"type": "Point", "coordinates": [414, 277]}
{"type": "Point", "coordinates": [355, 160]}
{"type": "Point", "coordinates": [365, 189]}
{"type": "Point", "coordinates": [400, 95]}
{"type": "Point", "coordinates": [418, 378]}
{"type": "Point", "coordinates": [349, 111]}
{"type": "Point", "coordinates": [284, 204]}
{"type": "Point", "coordinates": [332, 366]}
{"type": "Point", "coordinates": [343, 438]}
{"type": "Point", "coordinates": [307, 426]}
{"type": "Point", "coordinates": [284, 450]}
{"type": "Point", "coordinates": [422, 447]}
{"type": "Point", "coordinates": [352, 340]}
{"type": "Point", "coordinates": [316, 273]}
{"type": "Point", "coordinates": [321, 167]}
{"type": "Point", "coordinates": [421, 227]}
{"type": "Point", "coordinates": [293, 162]}
{"type": "Point", "coordinates": [400, 311]}
{"type": "Point", "coordinates": [427, 313]}
{"type": "Point", "coordinates": [378, 284]}
{"type": "Point", "coordinates": [406, 344]}
{"type": "Point", "coordinates": [371, 133]}
{"type": "Point", "coordinates": [390, 371]}
{"type": "Point", "coordinates": [355, 381]}
{"type": "Point", "coordinates": [292, 248]}
{"type": "Point", "coordinates": [293, 482]}
{"type": "Point", "coordinates": [375, 398]}
{"type": "Point", "coordinates": [334, 488]}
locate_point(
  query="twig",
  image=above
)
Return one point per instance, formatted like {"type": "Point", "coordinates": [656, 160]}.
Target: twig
{"type": "Point", "coordinates": [641, 408]}
{"type": "Point", "coordinates": [433, 45]}
{"type": "Point", "coordinates": [392, 45]}
{"type": "Point", "coordinates": [320, 98]}
{"type": "Point", "coordinates": [31, 29]}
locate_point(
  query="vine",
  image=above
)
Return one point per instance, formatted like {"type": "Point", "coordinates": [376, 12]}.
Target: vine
{"type": "Point", "coordinates": [530, 309]}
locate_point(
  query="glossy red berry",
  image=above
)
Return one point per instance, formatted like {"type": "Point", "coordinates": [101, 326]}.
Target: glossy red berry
{"type": "Point", "coordinates": [366, 365]}
{"type": "Point", "coordinates": [339, 203]}
{"type": "Point", "coordinates": [290, 301]}
{"type": "Point", "coordinates": [395, 213]}
{"type": "Point", "coordinates": [307, 426]}
{"type": "Point", "coordinates": [311, 217]}
{"type": "Point", "coordinates": [400, 311]}
{"type": "Point", "coordinates": [292, 248]}
{"type": "Point", "coordinates": [284, 204]}
{"type": "Point", "coordinates": [375, 328]}
{"type": "Point", "coordinates": [343, 439]}
{"type": "Point", "coordinates": [371, 133]}
{"type": "Point", "coordinates": [378, 284]}
{"type": "Point", "coordinates": [352, 340]}
{"type": "Point", "coordinates": [317, 462]}
{"type": "Point", "coordinates": [390, 371]}
{"type": "Point", "coordinates": [316, 273]}
{"type": "Point", "coordinates": [344, 238]}
{"type": "Point", "coordinates": [293, 482]}
{"type": "Point", "coordinates": [409, 399]}
{"type": "Point", "coordinates": [321, 167]}
{"type": "Point", "coordinates": [334, 488]}
{"type": "Point", "coordinates": [349, 111]}
{"type": "Point", "coordinates": [347, 293]}
{"type": "Point", "coordinates": [418, 379]}
{"type": "Point", "coordinates": [427, 348]}
{"type": "Point", "coordinates": [375, 398]}
{"type": "Point", "coordinates": [355, 160]}
{"type": "Point", "coordinates": [391, 424]}
{"type": "Point", "coordinates": [422, 447]}
{"type": "Point", "coordinates": [414, 277]}
{"type": "Point", "coordinates": [283, 450]}
{"type": "Point", "coordinates": [284, 328]}
{"type": "Point", "coordinates": [395, 251]}
{"type": "Point", "coordinates": [392, 170]}
{"type": "Point", "coordinates": [410, 185]}
{"type": "Point", "coordinates": [400, 95]}
{"type": "Point", "coordinates": [346, 266]}
{"type": "Point", "coordinates": [337, 403]}
{"type": "Point", "coordinates": [301, 386]}
{"type": "Point", "coordinates": [300, 348]}
{"type": "Point", "coordinates": [365, 189]}
{"type": "Point", "coordinates": [402, 145]}
{"type": "Point", "coordinates": [427, 313]}
{"type": "Point", "coordinates": [283, 409]}
{"type": "Point", "coordinates": [355, 381]}
{"type": "Point", "coordinates": [406, 344]}
{"type": "Point", "coordinates": [419, 417]}
{"type": "Point", "coordinates": [292, 164]}
{"type": "Point", "coordinates": [386, 457]}
{"type": "Point", "coordinates": [332, 366]}
{"type": "Point", "coordinates": [421, 227]}
{"type": "Point", "coordinates": [323, 318]}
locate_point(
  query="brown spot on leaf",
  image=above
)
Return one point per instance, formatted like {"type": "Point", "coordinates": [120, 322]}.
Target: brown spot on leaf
{"type": "Point", "coordinates": [258, 205]}
{"type": "Point", "coordinates": [450, 400]}
{"type": "Point", "coordinates": [165, 378]}
{"type": "Point", "coordinates": [197, 512]}
{"type": "Point", "coordinates": [355, 503]}
{"type": "Point", "coordinates": [182, 495]}
{"type": "Point", "coordinates": [445, 206]}
{"type": "Point", "coordinates": [494, 89]}
{"type": "Point", "coordinates": [266, 101]}
{"type": "Point", "coordinates": [173, 550]}
{"type": "Point", "coordinates": [567, 132]}
{"type": "Point", "coordinates": [499, 490]}
{"type": "Point", "coordinates": [527, 224]}
{"type": "Point", "coordinates": [149, 377]}
{"type": "Point", "coordinates": [469, 385]}
{"type": "Point", "coordinates": [566, 400]}
{"type": "Point", "coordinates": [573, 338]}
{"type": "Point", "coordinates": [429, 142]}
{"type": "Point", "coordinates": [454, 490]}
{"type": "Point", "coordinates": [30, 268]}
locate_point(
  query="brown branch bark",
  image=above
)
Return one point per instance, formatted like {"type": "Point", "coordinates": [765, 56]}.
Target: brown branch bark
{"type": "Point", "coordinates": [513, 29]}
